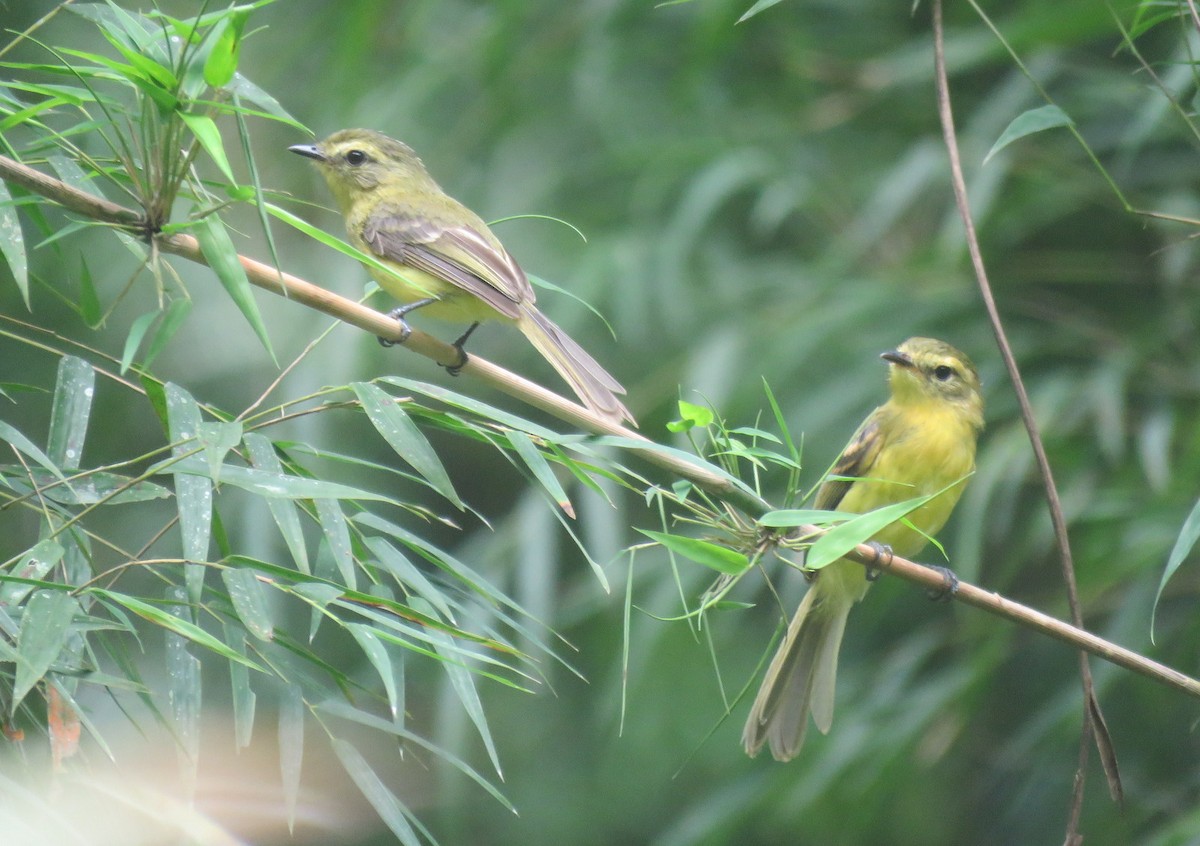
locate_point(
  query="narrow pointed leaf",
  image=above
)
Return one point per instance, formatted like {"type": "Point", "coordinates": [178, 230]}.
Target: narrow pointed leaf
{"type": "Point", "coordinates": [243, 697]}
{"type": "Point", "coordinates": [378, 655]}
{"type": "Point", "coordinates": [193, 494]}
{"type": "Point", "coordinates": [1027, 123]}
{"type": "Point", "coordinates": [390, 809]}
{"type": "Point", "coordinates": [291, 747]}
{"type": "Point", "coordinates": [263, 457]}
{"type": "Point", "coordinates": [540, 468]}
{"type": "Point", "coordinates": [222, 257]}
{"type": "Point", "coordinates": [12, 242]}
{"type": "Point", "coordinates": [402, 434]}
{"type": "Point", "coordinates": [720, 558]}
{"type": "Point", "coordinates": [861, 528]}
{"type": "Point", "coordinates": [69, 414]}
{"type": "Point", "coordinates": [1184, 543]}
{"type": "Point", "coordinates": [250, 603]}
{"type": "Point", "coordinates": [44, 626]}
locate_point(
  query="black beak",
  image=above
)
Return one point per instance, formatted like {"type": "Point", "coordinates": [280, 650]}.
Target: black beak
{"type": "Point", "coordinates": [894, 356]}
{"type": "Point", "coordinates": [309, 151]}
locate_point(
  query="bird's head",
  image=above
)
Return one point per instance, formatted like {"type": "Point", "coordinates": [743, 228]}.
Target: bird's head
{"type": "Point", "coordinates": [924, 370]}
{"type": "Point", "coordinates": [360, 162]}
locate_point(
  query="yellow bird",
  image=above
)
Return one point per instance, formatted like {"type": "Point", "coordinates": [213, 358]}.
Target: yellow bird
{"type": "Point", "coordinates": [917, 443]}
{"type": "Point", "coordinates": [445, 259]}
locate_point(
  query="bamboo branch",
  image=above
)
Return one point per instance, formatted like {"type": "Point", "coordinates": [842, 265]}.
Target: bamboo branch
{"type": "Point", "coordinates": [379, 324]}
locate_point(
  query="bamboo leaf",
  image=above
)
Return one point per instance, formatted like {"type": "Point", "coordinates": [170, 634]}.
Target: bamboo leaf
{"type": "Point", "coordinates": [206, 132]}
{"type": "Point", "coordinates": [540, 468]}
{"type": "Point", "coordinates": [1027, 123]}
{"type": "Point", "coordinates": [177, 625]}
{"type": "Point", "coordinates": [45, 623]}
{"type": "Point", "coordinates": [402, 434]}
{"type": "Point", "coordinates": [720, 558]}
{"type": "Point", "coordinates": [291, 747]}
{"type": "Point", "coordinates": [390, 809]}
{"type": "Point", "coordinates": [859, 529]}
{"type": "Point", "coordinates": [250, 602]}
{"type": "Point", "coordinates": [222, 257]}
{"type": "Point", "coordinates": [193, 493]}
{"type": "Point", "coordinates": [287, 518]}
{"type": "Point", "coordinates": [12, 243]}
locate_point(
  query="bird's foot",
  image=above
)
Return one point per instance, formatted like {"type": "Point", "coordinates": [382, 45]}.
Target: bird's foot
{"type": "Point", "coordinates": [883, 560]}
{"type": "Point", "coordinates": [398, 314]}
{"type": "Point", "coordinates": [949, 585]}
{"type": "Point", "coordinates": [456, 368]}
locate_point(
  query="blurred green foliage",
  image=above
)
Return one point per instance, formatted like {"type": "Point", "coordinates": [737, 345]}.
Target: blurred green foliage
{"type": "Point", "coordinates": [762, 201]}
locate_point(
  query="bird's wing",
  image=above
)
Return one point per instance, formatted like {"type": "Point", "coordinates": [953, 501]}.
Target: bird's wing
{"type": "Point", "coordinates": [458, 254]}
{"type": "Point", "coordinates": [855, 461]}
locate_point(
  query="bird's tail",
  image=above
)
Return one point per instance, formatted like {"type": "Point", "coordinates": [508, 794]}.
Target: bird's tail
{"type": "Point", "coordinates": [802, 674]}
{"type": "Point", "coordinates": [592, 383]}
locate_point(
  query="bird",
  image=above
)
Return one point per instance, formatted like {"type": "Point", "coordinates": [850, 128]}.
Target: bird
{"type": "Point", "coordinates": [442, 258]}
{"type": "Point", "coordinates": [921, 441]}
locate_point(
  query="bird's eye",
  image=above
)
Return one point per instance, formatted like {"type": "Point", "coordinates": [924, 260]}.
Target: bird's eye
{"type": "Point", "coordinates": [356, 157]}
{"type": "Point", "coordinates": [943, 372]}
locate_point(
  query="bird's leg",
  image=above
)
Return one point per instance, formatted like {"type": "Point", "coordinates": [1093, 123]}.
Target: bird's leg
{"type": "Point", "coordinates": [883, 560]}
{"type": "Point", "coordinates": [949, 585]}
{"type": "Point", "coordinates": [398, 314]}
{"type": "Point", "coordinates": [456, 368]}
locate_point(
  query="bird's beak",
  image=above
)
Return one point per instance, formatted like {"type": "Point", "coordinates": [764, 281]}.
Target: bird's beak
{"type": "Point", "coordinates": [897, 357]}
{"type": "Point", "coordinates": [310, 151]}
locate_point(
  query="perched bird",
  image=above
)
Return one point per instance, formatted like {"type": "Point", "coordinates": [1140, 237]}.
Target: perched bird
{"type": "Point", "coordinates": [444, 258]}
{"type": "Point", "coordinates": [917, 443]}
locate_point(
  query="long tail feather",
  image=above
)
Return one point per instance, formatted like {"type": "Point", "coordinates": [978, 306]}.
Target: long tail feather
{"type": "Point", "coordinates": [592, 383]}
{"type": "Point", "coordinates": [802, 675]}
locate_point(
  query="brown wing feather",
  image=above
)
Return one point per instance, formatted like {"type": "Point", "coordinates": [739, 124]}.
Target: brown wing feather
{"type": "Point", "coordinates": [459, 255]}
{"type": "Point", "coordinates": [856, 460]}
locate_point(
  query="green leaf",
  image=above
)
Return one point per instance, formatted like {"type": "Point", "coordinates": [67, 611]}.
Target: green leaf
{"type": "Point", "coordinates": [1027, 123]}
{"type": "Point", "coordinates": [247, 90]}
{"type": "Point", "coordinates": [218, 438]}
{"type": "Point", "coordinates": [23, 444]}
{"type": "Point", "coordinates": [33, 565]}
{"type": "Point", "coordinates": [270, 484]}
{"type": "Point", "coordinates": [540, 468]}
{"type": "Point", "coordinates": [133, 340]}
{"type": "Point", "coordinates": [172, 319]}
{"type": "Point", "coordinates": [409, 576]}
{"type": "Point", "coordinates": [184, 692]}
{"type": "Point", "coordinates": [249, 602]}
{"type": "Point", "coordinates": [222, 60]}
{"type": "Point", "coordinates": [244, 699]}
{"type": "Point", "coordinates": [695, 415]}
{"type": "Point", "coordinates": [402, 434]}
{"type": "Point", "coordinates": [759, 6]}
{"type": "Point", "coordinates": [184, 628]}
{"type": "Point", "coordinates": [206, 132]}
{"type": "Point", "coordinates": [861, 528]}
{"type": "Point", "coordinates": [291, 747]}
{"type": "Point", "coordinates": [89, 300]}
{"type": "Point", "coordinates": [790, 517]}
{"type": "Point", "coordinates": [1184, 543]}
{"type": "Point", "coordinates": [222, 257]}
{"type": "Point", "coordinates": [263, 457]}
{"type": "Point", "coordinates": [719, 558]}
{"type": "Point", "coordinates": [390, 809]}
{"type": "Point", "coordinates": [337, 537]}
{"type": "Point", "coordinates": [377, 654]}
{"type": "Point", "coordinates": [73, 391]}
{"type": "Point", "coordinates": [193, 493]}
{"type": "Point", "coordinates": [12, 243]}
{"type": "Point", "coordinates": [45, 623]}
